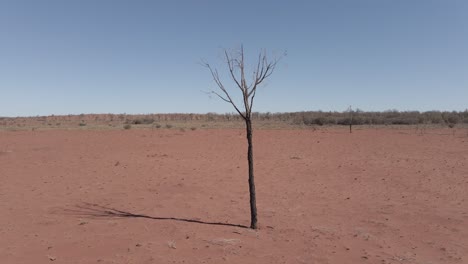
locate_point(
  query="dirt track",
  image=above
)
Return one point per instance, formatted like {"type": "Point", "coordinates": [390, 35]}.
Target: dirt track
{"type": "Point", "coordinates": [374, 196]}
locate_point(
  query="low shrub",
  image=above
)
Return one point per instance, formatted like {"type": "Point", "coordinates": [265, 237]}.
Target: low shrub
{"type": "Point", "coordinates": [146, 121]}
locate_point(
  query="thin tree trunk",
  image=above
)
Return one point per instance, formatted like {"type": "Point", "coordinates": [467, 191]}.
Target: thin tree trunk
{"type": "Point", "coordinates": [264, 69]}
{"type": "Point", "coordinates": [253, 200]}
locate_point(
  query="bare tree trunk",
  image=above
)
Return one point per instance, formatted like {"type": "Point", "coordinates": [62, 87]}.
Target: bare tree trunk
{"type": "Point", "coordinates": [253, 200]}
{"type": "Point", "coordinates": [236, 67]}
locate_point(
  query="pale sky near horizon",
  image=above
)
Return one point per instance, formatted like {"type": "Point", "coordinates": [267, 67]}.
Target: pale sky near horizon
{"type": "Point", "coordinates": [116, 56]}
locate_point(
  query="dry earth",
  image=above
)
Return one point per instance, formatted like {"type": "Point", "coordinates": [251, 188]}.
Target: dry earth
{"type": "Point", "coordinates": [325, 196]}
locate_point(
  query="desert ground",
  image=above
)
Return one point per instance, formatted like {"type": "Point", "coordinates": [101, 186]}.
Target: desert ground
{"type": "Point", "coordinates": [170, 196]}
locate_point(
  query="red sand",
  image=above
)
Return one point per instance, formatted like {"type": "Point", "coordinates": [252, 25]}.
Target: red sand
{"type": "Point", "coordinates": [374, 196]}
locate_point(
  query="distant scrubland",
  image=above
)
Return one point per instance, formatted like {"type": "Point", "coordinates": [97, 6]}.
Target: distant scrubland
{"type": "Point", "coordinates": [305, 118]}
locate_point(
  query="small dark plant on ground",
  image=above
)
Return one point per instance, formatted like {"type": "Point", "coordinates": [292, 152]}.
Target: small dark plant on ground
{"type": "Point", "coordinates": [145, 121]}
{"type": "Point", "coordinates": [127, 126]}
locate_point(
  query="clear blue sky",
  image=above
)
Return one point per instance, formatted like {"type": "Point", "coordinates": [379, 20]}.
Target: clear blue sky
{"type": "Point", "coordinates": [114, 56]}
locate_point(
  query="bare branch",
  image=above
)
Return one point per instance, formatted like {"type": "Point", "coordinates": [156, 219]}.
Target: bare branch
{"type": "Point", "coordinates": [230, 63]}
{"type": "Point", "coordinates": [264, 69]}
{"type": "Point", "coordinates": [242, 69]}
{"type": "Point", "coordinates": [236, 61]}
{"type": "Point", "coordinates": [228, 99]}
{"type": "Point", "coordinates": [252, 98]}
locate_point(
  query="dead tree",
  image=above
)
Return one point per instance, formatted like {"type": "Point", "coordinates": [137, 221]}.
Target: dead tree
{"type": "Point", "coordinates": [237, 72]}
{"type": "Point", "coordinates": [350, 119]}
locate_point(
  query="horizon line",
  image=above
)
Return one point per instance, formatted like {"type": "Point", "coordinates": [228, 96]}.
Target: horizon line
{"type": "Point", "coordinates": [233, 113]}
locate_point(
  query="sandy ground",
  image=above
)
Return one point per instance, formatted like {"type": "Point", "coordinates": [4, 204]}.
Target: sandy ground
{"type": "Point", "coordinates": [142, 196]}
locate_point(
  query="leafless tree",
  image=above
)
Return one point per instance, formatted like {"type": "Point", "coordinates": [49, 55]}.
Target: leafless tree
{"type": "Point", "coordinates": [350, 109]}
{"type": "Point", "coordinates": [237, 72]}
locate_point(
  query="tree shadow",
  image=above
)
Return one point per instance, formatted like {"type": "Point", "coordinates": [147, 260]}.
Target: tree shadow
{"type": "Point", "coordinates": [96, 211]}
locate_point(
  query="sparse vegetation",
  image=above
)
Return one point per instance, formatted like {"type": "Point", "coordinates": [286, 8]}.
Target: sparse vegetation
{"type": "Point", "coordinates": [127, 126]}
{"type": "Point", "coordinates": [351, 119]}
{"type": "Point", "coordinates": [298, 119]}
{"type": "Point", "coordinates": [142, 121]}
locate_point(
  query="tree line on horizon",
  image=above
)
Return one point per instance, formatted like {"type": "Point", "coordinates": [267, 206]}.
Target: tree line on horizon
{"type": "Point", "coordinates": [317, 118]}
{"type": "Point", "coordinates": [360, 117]}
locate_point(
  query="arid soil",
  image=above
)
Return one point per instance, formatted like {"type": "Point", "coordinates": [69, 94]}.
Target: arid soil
{"type": "Point", "coordinates": [170, 196]}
